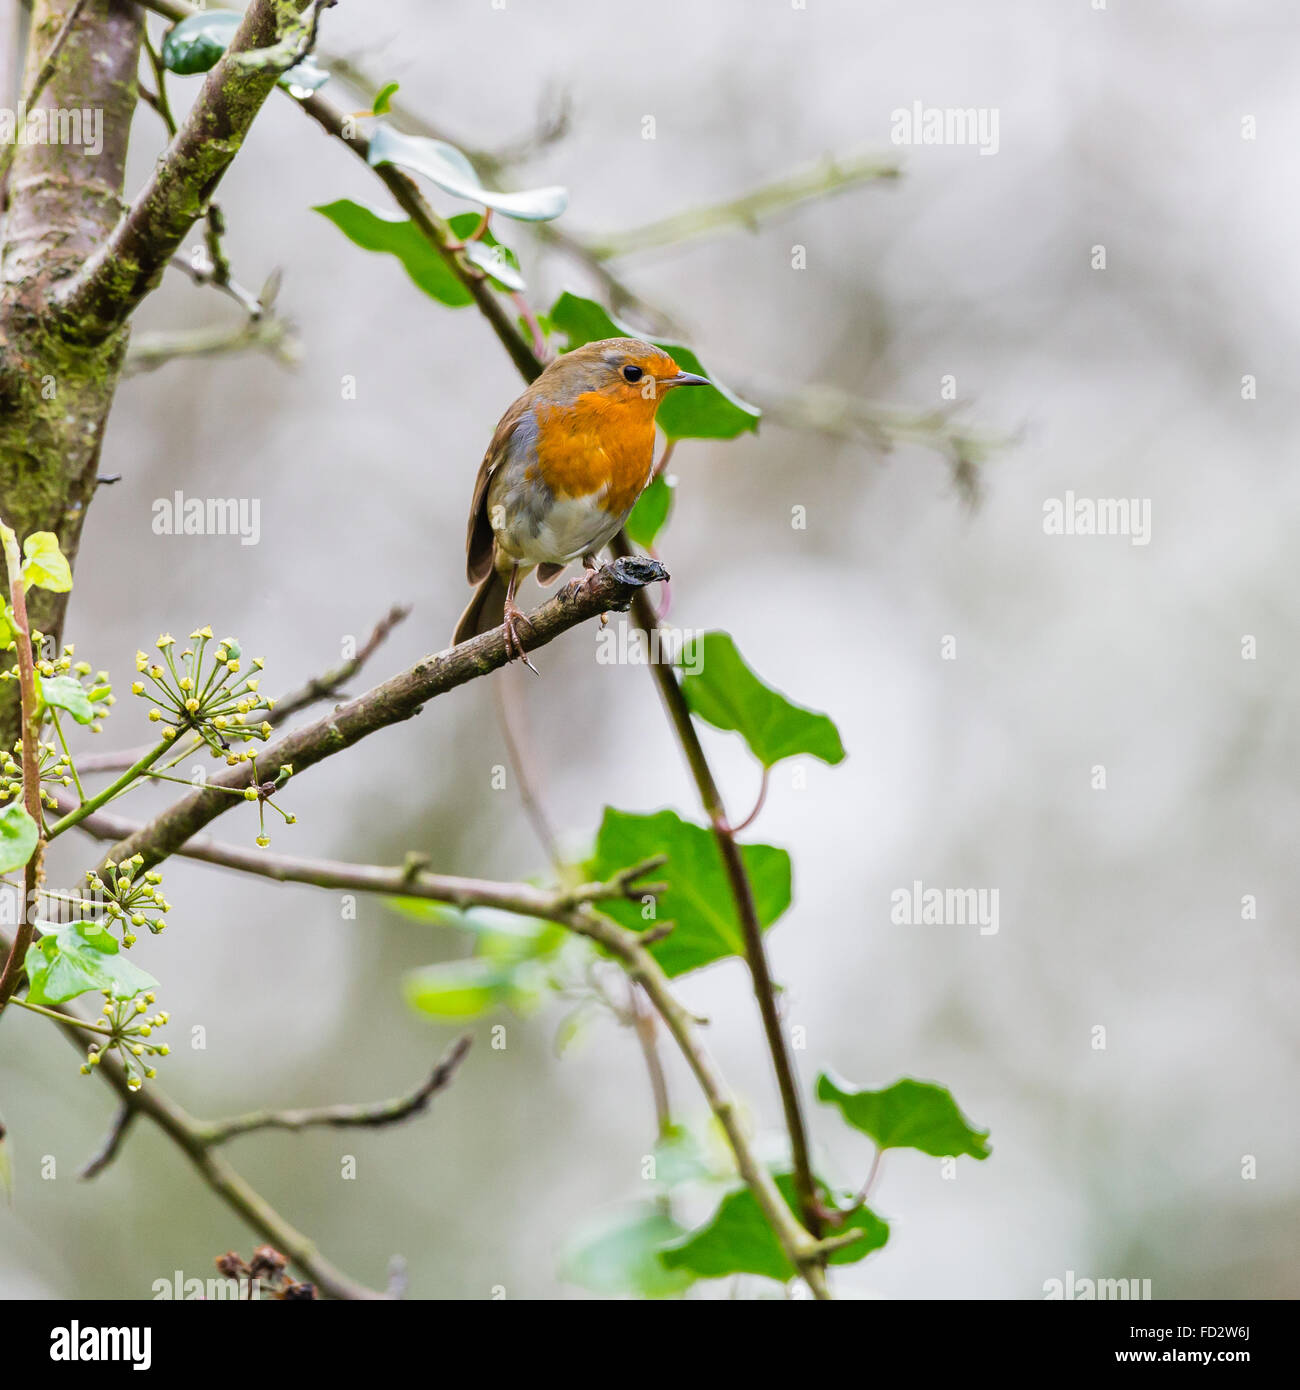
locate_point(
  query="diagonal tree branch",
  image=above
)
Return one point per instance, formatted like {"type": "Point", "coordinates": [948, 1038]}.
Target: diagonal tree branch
{"type": "Point", "coordinates": [391, 702]}
{"type": "Point", "coordinates": [407, 881]}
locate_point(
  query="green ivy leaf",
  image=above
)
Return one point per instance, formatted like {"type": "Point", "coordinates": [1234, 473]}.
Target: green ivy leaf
{"type": "Point", "coordinates": [446, 166]}
{"type": "Point", "coordinates": [45, 565]}
{"type": "Point", "coordinates": [650, 513]}
{"type": "Point", "coordinates": [197, 43]}
{"type": "Point", "coordinates": [18, 836]}
{"type": "Point", "coordinates": [398, 236]}
{"type": "Point", "coordinates": [700, 412]}
{"type": "Point", "coordinates": [383, 102]}
{"type": "Point", "coordinates": [908, 1115]}
{"type": "Point", "coordinates": [619, 1254]}
{"type": "Point", "coordinates": [698, 898]}
{"type": "Point", "coordinates": [66, 692]}
{"type": "Point", "coordinates": [738, 1240]}
{"type": "Point", "coordinates": [724, 692]}
{"type": "Point", "coordinates": [78, 958]}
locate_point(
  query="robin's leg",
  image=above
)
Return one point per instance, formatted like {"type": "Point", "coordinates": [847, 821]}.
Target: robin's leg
{"type": "Point", "coordinates": [574, 587]}
{"type": "Point", "coordinates": [513, 617]}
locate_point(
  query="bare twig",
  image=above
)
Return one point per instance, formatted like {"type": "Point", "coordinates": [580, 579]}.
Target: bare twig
{"type": "Point", "coordinates": [274, 336]}
{"type": "Point", "coordinates": [385, 1112]}
{"type": "Point", "coordinates": [112, 1144]}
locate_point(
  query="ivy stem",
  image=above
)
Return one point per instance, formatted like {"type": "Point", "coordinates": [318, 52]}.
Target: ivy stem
{"type": "Point", "coordinates": [63, 743]}
{"type": "Point", "coordinates": [69, 1020]}
{"type": "Point", "coordinates": [113, 789]}
{"type": "Point", "coordinates": [32, 873]}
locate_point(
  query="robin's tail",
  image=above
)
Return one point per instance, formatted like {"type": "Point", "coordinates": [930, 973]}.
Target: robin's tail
{"type": "Point", "coordinates": [487, 609]}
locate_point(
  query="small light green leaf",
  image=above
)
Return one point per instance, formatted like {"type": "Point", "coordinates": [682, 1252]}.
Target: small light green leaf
{"type": "Point", "coordinates": [7, 630]}
{"type": "Point", "coordinates": [724, 692]}
{"type": "Point", "coordinates": [690, 412]}
{"type": "Point", "coordinates": [446, 166]}
{"type": "Point", "coordinates": [383, 101]}
{"type": "Point", "coordinates": [679, 1158]}
{"type": "Point", "coordinates": [738, 1240]}
{"type": "Point", "coordinates": [650, 513]}
{"type": "Point", "coordinates": [459, 989]}
{"type": "Point", "coordinates": [197, 43]}
{"type": "Point", "coordinates": [66, 692]}
{"type": "Point", "coordinates": [18, 836]}
{"type": "Point", "coordinates": [78, 958]}
{"type": "Point", "coordinates": [699, 897]}
{"type": "Point", "coordinates": [619, 1254]}
{"type": "Point", "coordinates": [45, 565]}
{"type": "Point", "coordinates": [908, 1115]}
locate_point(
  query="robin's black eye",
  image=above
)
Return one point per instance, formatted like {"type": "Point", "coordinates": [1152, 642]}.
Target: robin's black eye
{"type": "Point", "coordinates": [631, 373]}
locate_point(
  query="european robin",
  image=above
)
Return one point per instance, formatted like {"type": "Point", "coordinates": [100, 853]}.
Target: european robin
{"type": "Point", "coordinates": [565, 467]}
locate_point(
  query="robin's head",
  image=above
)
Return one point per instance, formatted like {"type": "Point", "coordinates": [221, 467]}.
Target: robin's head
{"type": "Point", "coordinates": [622, 370]}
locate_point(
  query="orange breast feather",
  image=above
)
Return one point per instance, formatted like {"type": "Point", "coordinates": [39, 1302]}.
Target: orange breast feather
{"type": "Point", "coordinates": [595, 443]}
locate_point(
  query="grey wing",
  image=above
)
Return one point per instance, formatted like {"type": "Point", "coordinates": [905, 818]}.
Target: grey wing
{"type": "Point", "coordinates": [480, 543]}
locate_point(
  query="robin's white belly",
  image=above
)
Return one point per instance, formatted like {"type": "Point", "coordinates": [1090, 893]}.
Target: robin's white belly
{"type": "Point", "coordinates": [569, 528]}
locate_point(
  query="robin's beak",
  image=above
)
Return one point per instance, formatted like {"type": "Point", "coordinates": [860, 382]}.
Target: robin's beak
{"type": "Point", "coordinates": [685, 379]}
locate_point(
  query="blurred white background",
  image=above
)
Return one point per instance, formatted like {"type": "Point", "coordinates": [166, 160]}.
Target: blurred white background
{"type": "Point", "coordinates": [1119, 908]}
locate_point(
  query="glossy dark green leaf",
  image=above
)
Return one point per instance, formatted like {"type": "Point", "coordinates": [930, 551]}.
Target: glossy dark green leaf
{"type": "Point", "coordinates": [690, 412]}
{"type": "Point", "coordinates": [650, 513]}
{"type": "Point", "coordinates": [66, 692]}
{"type": "Point", "coordinates": [698, 898]}
{"type": "Point", "coordinates": [724, 692]}
{"type": "Point", "coordinates": [79, 958]}
{"type": "Point", "coordinates": [908, 1115]}
{"type": "Point", "coordinates": [446, 166]}
{"type": "Point", "coordinates": [737, 1239]}
{"type": "Point", "coordinates": [619, 1254]}
{"type": "Point", "coordinates": [197, 43]}
{"type": "Point", "coordinates": [18, 836]}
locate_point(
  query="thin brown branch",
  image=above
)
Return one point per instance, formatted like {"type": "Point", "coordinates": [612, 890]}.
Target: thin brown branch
{"type": "Point", "coordinates": [373, 1115]}
{"type": "Point", "coordinates": [405, 881]}
{"type": "Point", "coordinates": [742, 892]}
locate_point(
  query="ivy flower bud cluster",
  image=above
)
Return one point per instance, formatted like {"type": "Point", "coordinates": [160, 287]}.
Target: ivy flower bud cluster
{"type": "Point", "coordinates": [204, 691]}
{"type": "Point", "coordinates": [55, 769]}
{"type": "Point", "coordinates": [127, 1028]}
{"type": "Point", "coordinates": [128, 897]}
